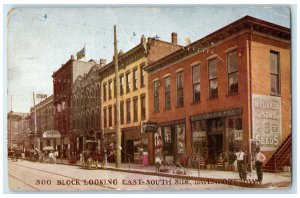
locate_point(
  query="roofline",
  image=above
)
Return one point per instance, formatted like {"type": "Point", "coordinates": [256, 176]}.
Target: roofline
{"type": "Point", "coordinates": [247, 20]}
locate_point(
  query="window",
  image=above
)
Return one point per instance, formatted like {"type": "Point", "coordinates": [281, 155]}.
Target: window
{"type": "Point", "coordinates": [168, 92]}
{"type": "Point", "coordinates": [128, 117]}
{"type": "Point", "coordinates": [87, 124]}
{"type": "Point", "coordinates": [104, 92]}
{"type": "Point", "coordinates": [93, 119]}
{"type": "Point", "coordinates": [143, 107]}
{"type": "Point", "coordinates": [98, 118]}
{"type": "Point", "coordinates": [135, 109]}
{"type": "Point", "coordinates": [122, 112]}
{"type": "Point", "coordinates": [105, 117]}
{"type": "Point", "coordinates": [274, 56]}
{"type": "Point", "coordinates": [142, 75]}
{"type": "Point", "coordinates": [127, 82]}
{"type": "Point", "coordinates": [179, 85]}
{"type": "Point", "coordinates": [196, 83]}
{"type": "Point", "coordinates": [134, 75]}
{"type": "Point", "coordinates": [121, 85]}
{"type": "Point", "coordinates": [109, 89]}
{"type": "Point", "coordinates": [115, 88]}
{"type": "Point", "coordinates": [115, 114]}
{"type": "Point", "coordinates": [110, 116]}
{"type": "Point", "coordinates": [156, 96]}
{"type": "Point", "coordinates": [213, 78]}
{"type": "Point", "coordinates": [232, 72]}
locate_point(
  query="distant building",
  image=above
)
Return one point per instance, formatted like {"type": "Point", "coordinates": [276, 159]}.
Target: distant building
{"type": "Point", "coordinates": [63, 79]}
{"type": "Point", "coordinates": [17, 129]}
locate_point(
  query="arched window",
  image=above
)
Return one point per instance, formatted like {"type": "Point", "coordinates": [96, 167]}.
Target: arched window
{"type": "Point", "coordinates": [92, 119]}
{"type": "Point", "coordinates": [98, 119]}
{"type": "Point", "coordinates": [82, 98]}
{"type": "Point", "coordinates": [87, 97]}
{"type": "Point", "coordinates": [92, 94]}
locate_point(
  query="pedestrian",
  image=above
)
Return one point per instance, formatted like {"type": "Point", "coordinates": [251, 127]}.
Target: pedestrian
{"type": "Point", "coordinates": [51, 157]}
{"type": "Point", "coordinates": [259, 159]}
{"type": "Point", "coordinates": [157, 164]}
{"type": "Point", "coordinates": [240, 164]}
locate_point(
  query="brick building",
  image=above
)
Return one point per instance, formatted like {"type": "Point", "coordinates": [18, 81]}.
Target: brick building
{"type": "Point", "coordinates": [44, 111]}
{"type": "Point", "coordinates": [133, 96]}
{"type": "Point", "coordinates": [86, 109]}
{"type": "Point", "coordinates": [63, 79]}
{"type": "Point", "coordinates": [221, 92]}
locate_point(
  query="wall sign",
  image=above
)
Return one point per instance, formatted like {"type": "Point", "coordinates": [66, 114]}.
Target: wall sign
{"type": "Point", "coordinates": [149, 127]}
{"type": "Point", "coordinates": [266, 118]}
{"type": "Point", "coordinates": [217, 114]}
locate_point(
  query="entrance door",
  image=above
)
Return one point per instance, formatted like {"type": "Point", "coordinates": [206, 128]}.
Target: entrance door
{"type": "Point", "coordinates": [215, 146]}
{"type": "Point", "coordinates": [130, 150]}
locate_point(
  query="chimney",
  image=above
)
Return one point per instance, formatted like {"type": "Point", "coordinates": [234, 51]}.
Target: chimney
{"type": "Point", "coordinates": [102, 62]}
{"type": "Point", "coordinates": [174, 38]}
{"type": "Point", "coordinates": [72, 57]}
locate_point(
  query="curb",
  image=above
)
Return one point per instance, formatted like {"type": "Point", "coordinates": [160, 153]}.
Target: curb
{"type": "Point", "coordinates": [232, 182]}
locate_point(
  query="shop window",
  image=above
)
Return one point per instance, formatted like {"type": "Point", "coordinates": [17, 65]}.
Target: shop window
{"type": "Point", "coordinates": [158, 141]}
{"type": "Point", "coordinates": [179, 86]}
{"type": "Point", "coordinates": [156, 96]}
{"type": "Point", "coordinates": [167, 135]}
{"type": "Point", "coordinates": [180, 131]}
{"type": "Point", "coordinates": [199, 138]}
{"type": "Point", "coordinates": [213, 78]}
{"type": "Point", "coordinates": [275, 78]}
{"type": "Point", "coordinates": [232, 72]}
{"type": "Point", "coordinates": [196, 83]}
{"type": "Point", "coordinates": [168, 92]}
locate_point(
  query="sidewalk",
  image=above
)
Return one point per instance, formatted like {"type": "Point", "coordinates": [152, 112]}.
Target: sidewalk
{"type": "Point", "coordinates": [270, 180]}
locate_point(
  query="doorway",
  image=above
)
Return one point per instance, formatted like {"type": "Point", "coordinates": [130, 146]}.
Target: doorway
{"type": "Point", "coordinates": [129, 150]}
{"type": "Point", "coordinates": [215, 147]}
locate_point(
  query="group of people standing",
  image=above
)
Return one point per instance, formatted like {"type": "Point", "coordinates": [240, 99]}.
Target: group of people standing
{"type": "Point", "coordinates": [241, 164]}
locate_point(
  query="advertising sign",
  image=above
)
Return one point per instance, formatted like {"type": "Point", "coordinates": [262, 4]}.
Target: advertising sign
{"type": "Point", "coordinates": [266, 118]}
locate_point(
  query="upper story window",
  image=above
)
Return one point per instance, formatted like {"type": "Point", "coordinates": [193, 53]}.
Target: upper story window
{"type": "Point", "coordinates": [232, 72]}
{"type": "Point", "coordinates": [109, 89]}
{"type": "Point", "coordinates": [179, 89]}
{"type": "Point", "coordinates": [142, 75]}
{"type": "Point", "coordinates": [115, 88]}
{"type": "Point", "coordinates": [135, 79]}
{"type": "Point", "coordinates": [196, 83]}
{"type": "Point", "coordinates": [110, 116]}
{"type": "Point", "coordinates": [128, 112]}
{"type": "Point", "coordinates": [213, 78]}
{"type": "Point", "coordinates": [121, 85]}
{"type": "Point", "coordinates": [104, 92]}
{"type": "Point", "coordinates": [122, 112]}
{"type": "Point", "coordinates": [115, 114]}
{"type": "Point", "coordinates": [135, 109]}
{"type": "Point", "coordinates": [168, 92]}
{"type": "Point", "coordinates": [156, 96]}
{"type": "Point", "coordinates": [127, 82]}
{"type": "Point", "coordinates": [105, 117]}
{"type": "Point", "coordinates": [275, 77]}
{"type": "Point", "coordinates": [143, 107]}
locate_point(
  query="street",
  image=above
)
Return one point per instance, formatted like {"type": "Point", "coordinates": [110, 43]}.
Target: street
{"type": "Point", "coordinates": [32, 176]}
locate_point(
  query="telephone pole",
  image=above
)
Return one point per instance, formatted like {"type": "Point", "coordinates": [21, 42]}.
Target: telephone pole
{"type": "Point", "coordinates": [118, 128]}
{"type": "Point", "coordinates": [34, 110]}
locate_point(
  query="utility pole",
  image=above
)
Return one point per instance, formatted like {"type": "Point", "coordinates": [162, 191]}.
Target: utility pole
{"type": "Point", "coordinates": [118, 128]}
{"type": "Point", "coordinates": [34, 112]}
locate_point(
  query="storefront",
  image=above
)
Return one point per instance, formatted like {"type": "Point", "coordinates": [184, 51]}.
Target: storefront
{"type": "Point", "coordinates": [136, 145]}
{"type": "Point", "coordinates": [216, 134]}
{"type": "Point", "coordinates": [170, 141]}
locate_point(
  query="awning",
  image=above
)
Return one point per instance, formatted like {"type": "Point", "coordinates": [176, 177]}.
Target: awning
{"type": "Point", "coordinates": [51, 134]}
{"type": "Point", "coordinates": [48, 148]}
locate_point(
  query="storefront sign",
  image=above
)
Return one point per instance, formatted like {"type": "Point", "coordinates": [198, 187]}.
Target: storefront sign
{"type": "Point", "coordinates": [217, 114]}
{"type": "Point", "coordinates": [266, 119]}
{"type": "Point", "coordinates": [199, 135]}
{"type": "Point", "coordinates": [149, 127]}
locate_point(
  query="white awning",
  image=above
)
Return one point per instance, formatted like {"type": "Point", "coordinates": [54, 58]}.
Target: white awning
{"type": "Point", "coordinates": [48, 148]}
{"type": "Point", "coordinates": [51, 134]}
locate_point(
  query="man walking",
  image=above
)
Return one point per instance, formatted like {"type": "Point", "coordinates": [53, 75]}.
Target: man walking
{"type": "Point", "coordinates": [259, 159]}
{"type": "Point", "coordinates": [240, 164]}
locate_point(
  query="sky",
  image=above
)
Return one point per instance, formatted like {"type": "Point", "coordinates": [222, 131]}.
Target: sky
{"type": "Point", "coordinates": [40, 40]}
